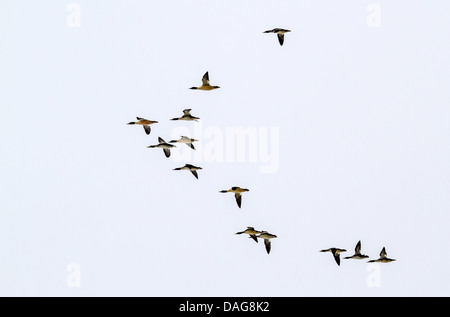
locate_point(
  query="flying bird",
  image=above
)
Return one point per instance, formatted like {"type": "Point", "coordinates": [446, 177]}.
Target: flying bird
{"type": "Point", "coordinates": [145, 123]}
{"type": "Point", "coordinates": [280, 34]}
{"type": "Point", "coordinates": [251, 232]}
{"type": "Point", "coordinates": [266, 236]}
{"type": "Point", "coordinates": [357, 255]}
{"type": "Point", "coordinates": [205, 84]}
{"type": "Point", "coordinates": [383, 257]}
{"type": "Point", "coordinates": [237, 193]}
{"type": "Point", "coordinates": [163, 145]}
{"type": "Point", "coordinates": [185, 140]}
{"type": "Point", "coordinates": [186, 116]}
{"type": "Point", "coordinates": [188, 167]}
{"type": "Point", "coordinates": [335, 252]}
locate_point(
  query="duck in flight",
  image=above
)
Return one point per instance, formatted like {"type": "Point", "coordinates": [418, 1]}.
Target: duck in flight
{"type": "Point", "coordinates": [237, 193]}
{"type": "Point", "coordinates": [145, 123]}
{"type": "Point", "coordinates": [357, 255]}
{"type": "Point", "coordinates": [186, 116]}
{"type": "Point", "coordinates": [383, 257]}
{"type": "Point", "coordinates": [185, 140]}
{"type": "Point", "coordinates": [251, 232]}
{"type": "Point", "coordinates": [205, 84]}
{"type": "Point", "coordinates": [188, 167]}
{"type": "Point", "coordinates": [335, 252]}
{"type": "Point", "coordinates": [280, 34]}
{"type": "Point", "coordinates": [163, 145]}
{"type": "Point", "coordinates": [266, 236]}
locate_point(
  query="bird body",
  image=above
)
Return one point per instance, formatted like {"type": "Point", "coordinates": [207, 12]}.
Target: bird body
{"type": "Point", "coordinates": [237, 193]}
{"type": "Point", "coordinates": [145, 123]}
{"type": "Point", "coordinates": [335, 252]}
{"type": "Point", "coordinates": [383, 257]}
{"type": "Point", "coordinates": [205, 84]}
{"type": "Point", "coordinates": [163, 145]}
{"type": "Point", "coordinates": [357, 255]}
{"type": "Point", "coordinates": [251, 232]}
{"type": "Point", "coordinates": [188, 167]}
{"type": "Point", "coordinates": [266, 236]}
{"type": "Point", "coordinates": [186, 116]}
{"type": "Point", "coordinates": [280, 34]}
{"type": "Point", "coordinates": [185, 140]}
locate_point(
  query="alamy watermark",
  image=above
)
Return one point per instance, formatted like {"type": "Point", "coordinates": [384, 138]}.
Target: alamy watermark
{"type": "Point", "coordinates": [259, 145]}
{"type": "Point", "coordinates": [374, 277]}
{"type": "Point", "coordinates": [374, 18]}
{"type": "Point", "coordinates": [74, 277]}
{"type": "Point", "coordinates": [73, 19]}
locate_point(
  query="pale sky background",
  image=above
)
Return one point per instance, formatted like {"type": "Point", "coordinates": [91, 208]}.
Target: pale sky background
{"type": "Point", "coordinates": [363, 119]}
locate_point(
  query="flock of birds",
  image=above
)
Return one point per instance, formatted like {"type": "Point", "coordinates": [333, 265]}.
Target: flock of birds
{"type": "Point", "coordinates": [251, 231]}
{"type": "Point", "coordinates": [255, 234]}
{"type": "Point", "coordinates": [358, 255]}
{"type": "Point", "coordinates": [166, 146]}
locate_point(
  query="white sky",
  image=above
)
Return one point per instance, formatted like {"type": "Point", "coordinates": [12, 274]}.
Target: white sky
{"type": "Point", "coordinates": [362, 115]}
